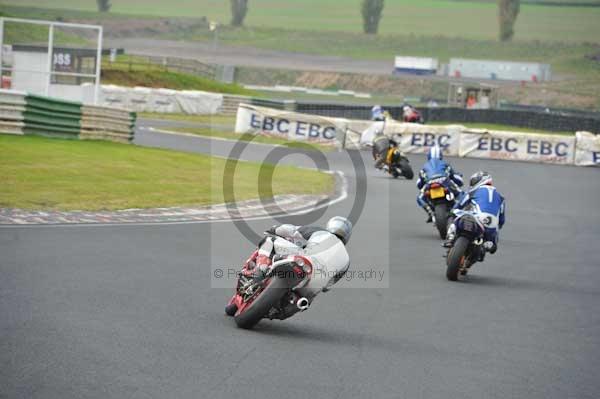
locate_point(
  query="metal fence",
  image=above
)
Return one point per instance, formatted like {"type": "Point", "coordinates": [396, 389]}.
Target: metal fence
{"type": "Point", "coordinates": [136, 62]}
{"type": "Point", "coordinates": [547, 119]}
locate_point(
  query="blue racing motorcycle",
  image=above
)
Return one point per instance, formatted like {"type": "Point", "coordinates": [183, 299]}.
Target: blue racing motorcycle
{"type": "Point", "coordinates": [468, 244]}
{"type": "Point", "coordinates": [440, 197]}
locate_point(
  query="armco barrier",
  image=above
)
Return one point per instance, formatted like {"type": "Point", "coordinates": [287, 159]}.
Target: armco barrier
{"type": "Point", "coordinates": [103, 123]}
{"type": "Point", "coordinates": [51, 117]}
{"type": "Point", "coordinates": [557, 121]}
{"type": "Point", "coordinates": [37, 115]}
{"type": "Point", "coordinates": [12, 106]}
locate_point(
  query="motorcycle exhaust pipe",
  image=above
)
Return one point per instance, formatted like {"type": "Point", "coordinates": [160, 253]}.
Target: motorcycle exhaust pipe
{"type": "Point", "coordinates": [303, 304]}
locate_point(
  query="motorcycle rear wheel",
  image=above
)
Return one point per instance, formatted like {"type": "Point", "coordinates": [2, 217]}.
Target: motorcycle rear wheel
{"type": "Point", "coordinates": [441, 219]}
{"type": "Point", "coordinates": [260, 306]}
{"type": "Point", "coordinates": [407, 171]}
{"type": "Point", "coordinates": [455, 257]}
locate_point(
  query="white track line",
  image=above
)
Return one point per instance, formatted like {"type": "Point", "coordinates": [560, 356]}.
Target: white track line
{"type": "Point", "coordinates": [199, 136]}
{"type": "Point", "coordinates": [341, 197]}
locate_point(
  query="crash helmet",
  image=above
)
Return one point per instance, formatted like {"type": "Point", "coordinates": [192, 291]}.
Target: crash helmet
{"type": "Point", "coordinates": [479, 179]}
{"type": "Point", "coordinates": [377, 113]}
{"type": "Point", "coordinates": [341, 227]}
{"type": "Point", "coordinates": [435, 152]}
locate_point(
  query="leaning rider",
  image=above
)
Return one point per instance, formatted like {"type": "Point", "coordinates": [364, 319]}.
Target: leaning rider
{"type": "Point", "coordinates": [381, 145]}
{"type": "Point", "coordinates": [433, 168]}
{"type": "Point", "coordinates": [488, 203]}
{"type": "Point", "coordinates": [299, 236]}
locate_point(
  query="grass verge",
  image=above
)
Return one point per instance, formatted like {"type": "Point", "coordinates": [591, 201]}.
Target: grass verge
{"type": "Point", "coordinates": [154, 76]}
{"type": "Point", "coordinates": [54, 174]}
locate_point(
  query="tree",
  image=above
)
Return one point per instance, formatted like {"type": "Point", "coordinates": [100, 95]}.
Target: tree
{"type": "Point", "coordinates": [371, 12]}
{"type": "Point", "coordinates": [103, 5]}
{"type": "Point", "coordinates": [239, 8]}
{"type": "Point", "coordinates": [507, 15]}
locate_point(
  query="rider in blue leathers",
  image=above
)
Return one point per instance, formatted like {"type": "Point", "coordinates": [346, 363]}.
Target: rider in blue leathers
{"type": "Point", "coordinates": [436, 167]}
{"type": "Point", "coordinates": [484, 199]}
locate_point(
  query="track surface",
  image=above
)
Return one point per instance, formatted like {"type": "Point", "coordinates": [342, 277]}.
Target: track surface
{"type": "Point", "coordinates": [129, 312]}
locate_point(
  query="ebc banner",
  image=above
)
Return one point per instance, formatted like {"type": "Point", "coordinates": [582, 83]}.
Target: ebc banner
{"type": "Point", "coordinates": [288, 125]}
{"type": "Point", "coordinates": [546, 148]}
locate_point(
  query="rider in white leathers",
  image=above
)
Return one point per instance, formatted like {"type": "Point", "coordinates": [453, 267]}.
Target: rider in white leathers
{"type": "Point", "coordinates": [324, 246]}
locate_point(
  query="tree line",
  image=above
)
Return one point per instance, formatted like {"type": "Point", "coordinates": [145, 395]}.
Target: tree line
{"type": "Point", "coordinates": [372, 12]}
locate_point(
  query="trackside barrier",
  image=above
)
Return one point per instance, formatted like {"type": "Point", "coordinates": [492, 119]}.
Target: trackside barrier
{"type": "Point", "coordinates": [587, 149]}
{"type": "Point", "coordinates": [103, 123]}
{"type": "Point", "coordinates": [554, 120]}
{"type": "Point", "coordinates": [542, 148]}
{"type": "Point", "coordinates": [21, 113]}
{"type": "Point", "coordinates": [144, 99]}
{"type": "Point", "coordinates": [12, 107]}
{"type": "Point", "coordinates": [288, 125]}
{"type": "Point", "coordinates": [456, 140]}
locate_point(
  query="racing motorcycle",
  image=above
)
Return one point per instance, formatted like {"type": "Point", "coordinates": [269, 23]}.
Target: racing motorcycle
{"type": "Point", "coordinates": [412, 115]}
{"type": "Point", "coordinates": [397, 164]}
{"type": "Point", "coordinates": [441, 198]}
{"type": "Point", "coordinates": [468, 244]}
{"type": "Point", "coordinates": [290, 284]}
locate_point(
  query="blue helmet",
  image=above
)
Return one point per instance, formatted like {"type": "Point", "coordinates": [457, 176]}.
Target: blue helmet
{"type": "Point", "coordinates": [377, 113]}
{"type": "Point", "coordinates": [435, 152]}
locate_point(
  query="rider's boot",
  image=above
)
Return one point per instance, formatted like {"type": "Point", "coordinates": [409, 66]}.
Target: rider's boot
{"type": "Point", "coordinates": [429, 212]}
{"type": "Point", "coordinates": [262, 266]}
{"type": "Point", "coordinates": [450, 236]}
{"type": "Point", "coordinates": [490, 246]}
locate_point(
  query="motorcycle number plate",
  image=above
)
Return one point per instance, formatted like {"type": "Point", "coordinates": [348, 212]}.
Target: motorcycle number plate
{"type": "Point", "coordinates": [437, 192]}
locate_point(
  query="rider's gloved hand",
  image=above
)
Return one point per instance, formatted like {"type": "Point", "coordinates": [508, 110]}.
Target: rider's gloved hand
{"type": "Point", "coordinates": [272, 230]}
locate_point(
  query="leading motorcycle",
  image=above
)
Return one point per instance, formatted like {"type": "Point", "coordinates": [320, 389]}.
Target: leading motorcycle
{"type": "Point", "coordinates": [468, 244]}
{"type": "Point", "coordinates": [290, 284]}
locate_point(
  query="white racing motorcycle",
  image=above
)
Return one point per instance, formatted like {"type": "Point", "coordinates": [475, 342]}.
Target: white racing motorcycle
{"type": "Point", "coordinates": [292, 281]}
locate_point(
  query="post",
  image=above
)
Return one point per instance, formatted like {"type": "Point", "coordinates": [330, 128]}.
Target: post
{"type": "Point", "coordinates": [1, 44]}
{"type": "Point", "coordinates": [216, 44]}
{"type": "Point", "coordinates": [50, 57]}
{"type": "Point", "coordinates": [98, 66]}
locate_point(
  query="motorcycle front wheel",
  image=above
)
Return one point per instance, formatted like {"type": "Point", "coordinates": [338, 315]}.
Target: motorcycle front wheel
{"type": "Point", "coordinates": [456, 257]}
{"type": "Point", "coordinates": [269, 297]}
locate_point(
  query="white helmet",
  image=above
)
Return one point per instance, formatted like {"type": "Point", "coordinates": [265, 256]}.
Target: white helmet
{"type": "Point", "coordinates": [341, 227]}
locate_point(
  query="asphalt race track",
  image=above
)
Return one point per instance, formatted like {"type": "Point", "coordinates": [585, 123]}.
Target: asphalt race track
{"type": "Point", "coordinates": [129, 312]}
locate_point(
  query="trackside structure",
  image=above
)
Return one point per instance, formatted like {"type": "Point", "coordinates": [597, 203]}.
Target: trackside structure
{"type": "Point", "coordinates": [55, 70]}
